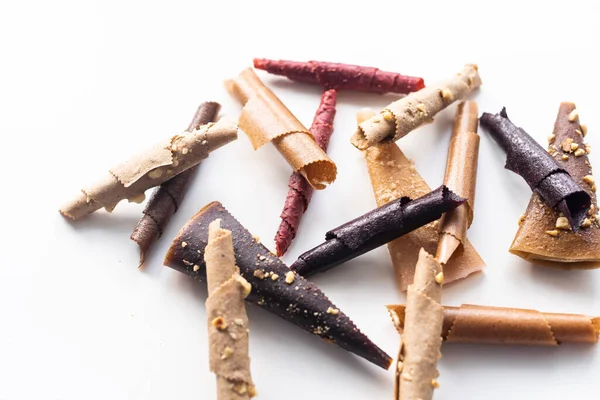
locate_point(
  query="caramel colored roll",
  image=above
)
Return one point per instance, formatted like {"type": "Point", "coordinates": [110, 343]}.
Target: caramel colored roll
{"type": "Point", "coordinates": [266, 119]}
{"type": "Point", "coordinates": [495, 325]}
{"type": "Point", "coordinates": [461, 176]}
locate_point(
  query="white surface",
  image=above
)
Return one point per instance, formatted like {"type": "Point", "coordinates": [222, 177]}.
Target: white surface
{"type": "Point", "coordinates": [84, 84]}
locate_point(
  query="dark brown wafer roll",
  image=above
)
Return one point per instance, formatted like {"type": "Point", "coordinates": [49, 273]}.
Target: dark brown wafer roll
{"type": "Point", "coordinates": [166, 199]}
{"type": "Point", "coordinates": [524, 156]}
{"type": "Point", "coordinates": [496, 325]}
{"type": "Point", "coordinates": [375, 229]}
{"type": "Point", "coordinates": [274, 286]}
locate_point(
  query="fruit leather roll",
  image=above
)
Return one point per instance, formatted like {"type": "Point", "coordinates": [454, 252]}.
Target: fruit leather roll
{"type": "Point", "coordinates": [495, 325]}
{"type": "Point", "coordinates": [275, 287]}
{"type": "Point", "coordinates": [545, 237]}
{"type": "Point", "coordinates": [156, 165]}
{"type": "Point", "coordinates": [342, 76]}
{"type": "Point", "coordinates": [543, 174]}
{"type": "Point", "coordinates": [375, 229]}
{"type": "Point", "coordinates": [266, 119]}
{"type": "Point", "coordinates": [167, 197]}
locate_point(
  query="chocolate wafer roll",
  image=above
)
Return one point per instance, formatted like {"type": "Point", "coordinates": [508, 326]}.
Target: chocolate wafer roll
{"type": "Point", "coordinates": [545, 237]}
{"type": "Point", "coordinates": [524, 156]}
{"type": "Point", "coordinates": [275, 287]}
{"type": "Point", "coordinates": [375, 229]}
{"type": "Point", "coordinates": [227, 319]}
{"type": "Point", "coordinates": [495, 325]}
{"type": "Point", "coordinates": [167, 197]}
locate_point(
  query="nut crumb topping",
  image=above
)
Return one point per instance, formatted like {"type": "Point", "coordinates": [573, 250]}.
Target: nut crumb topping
{"type": "Point", "coordinates": [589, 179]}
{"type": "Point", "coordinates": [239, 321]}
{"type": "Point", "coordinates": [566, 145]}
{"type": "Point", "coordinates": [233, 335]}
{"type": "Point", "coordinates": [156, 173]}
{"type": "Point", "coordinates": [579, 152]}
{"type": "Point", "coordinates": [551, 138]}
{"type": "Point", "coordinates": [577, 131]}
{"type": "Point", "coordinates": [196, 268]}
{"type": "Point", "coordinates": [563, 223]}
{"type": "Point", "coordinates": [184, 151]}
{"type": "Point", "coordinates": [399, 366]}
{"type": "Point", "coordinates": [333, 311]}
{"type": "Point", "coordinates": [406, 376]}
{"type": "Point", "coordinates": [252, 391]}
{"type": "Point", "coordinates": [447, 95]}
{"type": "Point", "coordinates": [387, 115]}
{"type": "Point", "coordinates": [227, 353]}
{"type": "Point", "coordinates": [183, 244]}
{"type": "Point", "coordinates": [421, 107]}
{"type": "Point", "coordinates": [521, 219]}
{"type": "Point", "coordinates": [274, 276]}
{"type": "Point", "coordinates": [241, 388]}
{"type": "Point", "coordinates": [583, 129]}
{"type": "Point", "coordinates": [586, 223]}
{"type": "Point", "coordinates": [574, 146]}
{"type": "Point", "coordinates": [289, 277]}
{"type": "Point", "coordinates": [565, 157]}
{"type": "Point", "coordinates": [219, 323]}
{"type": "Point", "coordinates": [552, 233]}
{"type": "Point", "coordinates": [435, 384]}
{"type": "Point", "coordinates": [573, 115]}
{"type": "Point", "coordinates": [588, 148]}
{"type": "Point", "coordinates": [262, 258]}
{"type": "Point", "coordinates": [245, 284]}
{"type": "Point", "coordinates": [439, 278]}
{"type": "Point", "coordinates": [259, 273]}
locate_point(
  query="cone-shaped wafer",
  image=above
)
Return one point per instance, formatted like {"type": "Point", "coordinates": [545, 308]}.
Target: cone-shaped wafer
{"type": "Point", "coordinates": [342, 76]}
{"type": "Point", "coordinates": [227, 319]}
{"type": "Point", "coordinates": [274, 287]}
{"type": "Point", "coordinates": [393, 176]}
{"type": "Point", "coordinates": [496, 325]}
{"type": "Point", "coordinates": [374, 229]}
{"type": "Point", "coordinates": [404, 115]}
{"type": "Point", "coordinates": [167, 197]}
{"type": "Point", "coordinates": [416, 370]}
{"type": "Point", "coordinates": [266, 119]}
{"type": "Point", "coordinates": [461, 175]}
{"type": "Point", "coordinates": [156, 165]}
{"type": "Point", "coordinates": [543, 174]}
{"type": "Point", "coordinates": [543, 237]}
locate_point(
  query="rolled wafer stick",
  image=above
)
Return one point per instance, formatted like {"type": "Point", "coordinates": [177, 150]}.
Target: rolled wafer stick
{"type": "Point", "coordinates": [404, 115]}
{"type": "Point", "coordinates": [342, 76]}
{"type": "Point", "coordinates": [274, 287]}
{"type": "Point", "coordinates": [300, 192]}
{"type": "Point", "coordinates": [461, 175]}
{"type": "Point", "coordinates": [496, 325]}
{"type": "Point", "coordinates": [393, 175]}
{"type": "Point", "coordinates": [266, 119]}
{"type": "Point", "coordinates": [227, 319]}
{"type": "Point", "coordinates": [156, 165]}
{"type": "Point", "coordinates": [167, 197]}
{"type": "Point", "coordinates": [416, 370]}
{"type": "Point", "coordinates": [543, 237]}
{"type": "Point", "coordinates": [374, 229]}
{"type": "Point", "coordinates": [543, 174]}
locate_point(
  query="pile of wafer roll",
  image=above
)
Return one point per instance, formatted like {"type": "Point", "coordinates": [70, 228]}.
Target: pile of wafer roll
{"type": "Point", "coordinates": [425, 229]}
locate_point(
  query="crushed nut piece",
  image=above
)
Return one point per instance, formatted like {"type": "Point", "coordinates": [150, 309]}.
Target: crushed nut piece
{"type": "Point", "coordinates": [573, 115]}
{"type": "Point", "coordinates": [239, 321]}
{"type": "Point", "coordinates": [399, 366]}
{"type": "Point", "coordinates": [233, 335]}
{"type": "Point", "coordinates": [447, 95]}
{"type": "Point", "coordinates": [435, 384]}
{"type": "Point", "coordinates": [551, 138]}
{"type": "Point", "coordinates": [589, 179]}
{"type": "Point", "coordinates": [588, 148]}
{"type": "Point", "coordinates": [252, 392]}
{"type": "Point", "coordinates": [183, 244]}
{"type": "Point", "coordinates": [521, 219]}
{"type": "Point", "coordinates": [289, 277]}
{"type": "Point", "coordinates": [421, 107]}
{"type": "Point", "coordinates": [196, 268]}
{"type": "Point", "coordinates": [565, 157]}
{"type": "Point", "coordinates": [156, 173]}
{"type": "Point", "coordinates": [184, 150]}
{"type": "Point", "coordinates": [406, 376]}
{"type": "Point", "coordinates": [552, 233]}
{"type": "Point", "coordinates": [583, 129]}
{"type": "Point", "coordinates": [563, 223]}
{"type": "Point", "coordinates": [262, 258]}
{"type": "Point", "coordinates": [439, 278]}
{"type": "Point", "coordinates": [574, 146]}
{"type": "Point", "coordinates": [333, 311]}
{"type": "Point", "coordinates": [566, 145]}
{"type": "Point", "coordinates": [577, 131]}
{"type": "Point", "coordinates": [579, 152]}
{"type": "Point", "coordinates": [259, 273]}
{"type": "Point", "coordinates": [241, 388]}
{"type": "Point", "coordinates": [274, 276]}
{"type": "Point", "coordinates": [245, 285]}
{"type": "Point", "coordinates": [227, 353]}
{"type": "Point", "coordinates": [586, 223]}
{"type": "Point", "coordinates": [388, 116]}
{"type": "Point", "coordinates": [219, 323]}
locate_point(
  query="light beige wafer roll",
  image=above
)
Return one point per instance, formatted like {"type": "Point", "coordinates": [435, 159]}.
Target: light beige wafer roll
{"type": "Point", "coordinates": [266, 119]}
{"type": "Point", "coordinates": [416, 371]}
{"type": "Point", "coordinates": [393, 176]}
{"type": "Point", "coordinates": [129, 180]}
{"type": "Point", "coordinates": [404, 115]}
{"type": "Point", "coordinates": [227, 319]}
{"type": "Point", "coordinates": [460, 177]}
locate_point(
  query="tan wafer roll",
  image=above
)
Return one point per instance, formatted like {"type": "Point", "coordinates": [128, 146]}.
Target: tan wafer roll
{"type": "Point", "coordinates": [495, 325]}
{"type": "Point", "coordinates": [416, 371]}
{"type": "Point", "coordinates": [461, 175]}
{"type": "Point", "coordinates": [404, 115]}
{"type": "Point", "coordinates": [227, 320]}
{"type": "Point", "coordinates": [544, 237]}
{"type": "Point", "coordinates": [129, 180]}
{"type": "Point", "coordinates": [393, 176]}
{"type": "Point", "coordinates": [266, 119]}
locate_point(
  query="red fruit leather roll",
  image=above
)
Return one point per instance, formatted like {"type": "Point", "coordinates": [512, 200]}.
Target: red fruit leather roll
{"type": "Point", "coordinates": [300, 191]}
{"type": "Point", "coordinates": [342, 76]}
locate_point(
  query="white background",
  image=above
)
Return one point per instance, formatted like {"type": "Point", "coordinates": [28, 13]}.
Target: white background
{"type": "Point", "coordinates": [84, 84]}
